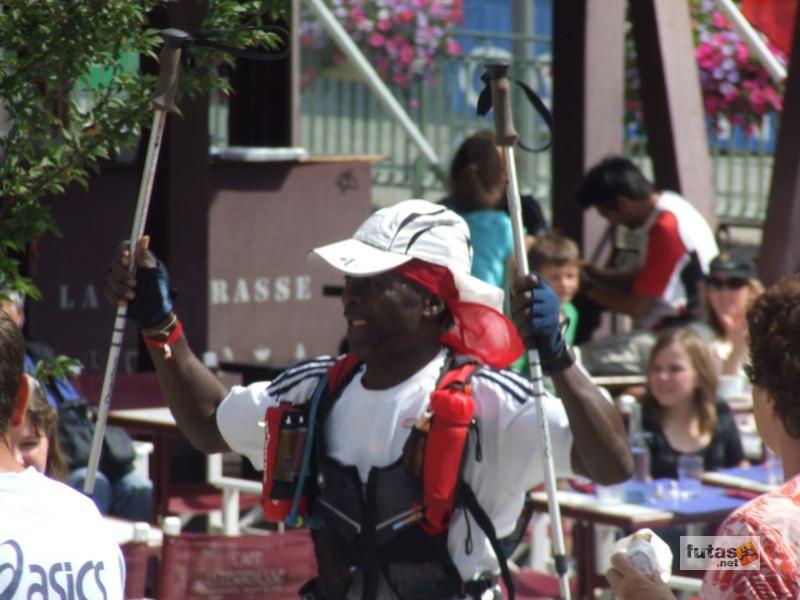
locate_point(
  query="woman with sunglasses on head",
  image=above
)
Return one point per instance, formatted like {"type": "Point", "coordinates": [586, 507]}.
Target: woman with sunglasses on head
{"type": "Point", "coordinates": [730, 288]}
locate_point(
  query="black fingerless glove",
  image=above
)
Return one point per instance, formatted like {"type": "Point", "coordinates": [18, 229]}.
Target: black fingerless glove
{"type": "Point", "coordinates": [554, 352]}
{"type": "Point", "coordinates": [152, 303]}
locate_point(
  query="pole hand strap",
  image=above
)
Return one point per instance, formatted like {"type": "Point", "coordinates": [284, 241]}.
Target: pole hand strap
{"type": "Point", "coordinates": [485, 523]}
{"type": "Point", "coordinates": [209, 39]}
{"type": "Point", "coordinates": [485, 103]}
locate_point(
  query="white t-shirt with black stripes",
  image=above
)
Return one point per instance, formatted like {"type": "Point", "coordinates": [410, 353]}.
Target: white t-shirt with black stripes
{"type": "Point", "coordinates": [367, 428]}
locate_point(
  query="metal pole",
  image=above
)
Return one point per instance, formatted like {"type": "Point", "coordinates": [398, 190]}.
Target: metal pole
{"type": "Point", "coordinates": [163, 101]}
{"type": "Point", "coordinates": [352, 52]}
{"type": "Point", "coordinates": [507, 137]}
{"type": "Point", "coordinates": [522, 52]}
{"type": "Point", "coordinates": [752, 38]}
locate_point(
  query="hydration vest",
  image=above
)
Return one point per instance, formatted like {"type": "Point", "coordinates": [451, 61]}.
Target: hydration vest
{"type": "Point", "coordinates": [386, 538]}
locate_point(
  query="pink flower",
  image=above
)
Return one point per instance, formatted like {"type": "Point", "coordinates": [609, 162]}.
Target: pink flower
{"type": "Point", "coordinates": [402, 38]}
{"type": "Point", "coordinates": [706, 63]}
{"type": "Point", "coordinates": [400, 79]}
{"type": "Point", "coordinates": [357, 14]}
{"type": "Point", "coordinates": [453, 47]}
{"type": "Point", "coordinates": [406, 54]}
{"type": "Point", "coordinates": [742, 53]}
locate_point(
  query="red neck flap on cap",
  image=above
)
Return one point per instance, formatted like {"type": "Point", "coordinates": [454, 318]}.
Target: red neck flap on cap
{"type": "Point", "coordinates": [477, 330]}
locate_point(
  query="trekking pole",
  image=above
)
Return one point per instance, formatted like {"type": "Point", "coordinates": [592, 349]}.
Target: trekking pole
{"type": "Point", "coordinates": [507, 137]}
{"type": "Point", "coordinates": [163, 102]}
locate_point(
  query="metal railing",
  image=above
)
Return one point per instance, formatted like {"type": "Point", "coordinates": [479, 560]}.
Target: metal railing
{"type": "Point", "coordinates": [339, 115]}
{"type": "Point", "coordinates": [741, 169]}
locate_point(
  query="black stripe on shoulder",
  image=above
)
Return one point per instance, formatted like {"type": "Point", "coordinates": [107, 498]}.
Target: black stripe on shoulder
{"type": "Point", "coordinates": [320, 362]}
{"type": "Point", "coordinates": [520, 390]}
{"type": "Point", "coordinates": [291, 384]}
{"type": "Point", "coordinates": [293, 375]}
{"type": "Point", "coordinates": [513, 378]}
{"type": "Point", "coordinates": [522, 379]}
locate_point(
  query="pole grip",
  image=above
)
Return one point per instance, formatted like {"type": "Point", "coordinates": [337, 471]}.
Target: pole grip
{"type": "Point", "coordinates": [169, 71]}
{"type": "Point", "coordinates": [500, 85]}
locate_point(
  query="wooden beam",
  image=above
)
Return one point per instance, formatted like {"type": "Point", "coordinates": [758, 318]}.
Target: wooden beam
{"type": "Point", "coordinates": [672, 101]}
{"type": "Point", "coordinates": [780, 246]}
{"type": "Point", "coordinates": [186, 184]}
{"type": "Point", "coordinates": [588, 105]}
{"type": "Point", "coordinates": [588, 110]}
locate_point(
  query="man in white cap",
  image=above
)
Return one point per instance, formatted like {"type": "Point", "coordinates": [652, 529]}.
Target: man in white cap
{"type": "Point", "coordinates": [393, 518]}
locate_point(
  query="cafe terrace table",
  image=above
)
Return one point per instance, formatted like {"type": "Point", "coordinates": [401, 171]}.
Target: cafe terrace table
{"type": "Point", "coordinates": [708, 505]}
{"type": "Point", "coordinates": [754, 478]}
{"type": "Point", "coordinates": [122, 530]}
{"type": "Point", "coordinates": [158, 425]}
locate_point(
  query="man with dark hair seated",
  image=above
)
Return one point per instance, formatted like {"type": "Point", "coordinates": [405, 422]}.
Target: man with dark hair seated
{"type": "Point", "coordinates": [674, 243]}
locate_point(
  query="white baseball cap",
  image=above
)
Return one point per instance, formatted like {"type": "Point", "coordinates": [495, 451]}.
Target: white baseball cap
{"type": "Point", "coordinates": [412, 229]}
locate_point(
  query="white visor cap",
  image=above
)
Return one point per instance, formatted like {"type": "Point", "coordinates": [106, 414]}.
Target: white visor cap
{"type": "Point", "coordinates": [418, 229]}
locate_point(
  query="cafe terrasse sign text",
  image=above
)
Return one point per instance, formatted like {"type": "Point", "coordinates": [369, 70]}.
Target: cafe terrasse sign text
{"type": "Point", "coordinates": [239, 290]}
{"type": "Point", "coordinates": [235, 291]}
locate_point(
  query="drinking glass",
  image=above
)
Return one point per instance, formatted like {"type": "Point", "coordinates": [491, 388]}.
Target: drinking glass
{"type": "Point", "coordinates": [774, 467]}
{"type": "Point", "coordinates": [611, 494]}
{"type": "Point", "coordinates": [690, 472]}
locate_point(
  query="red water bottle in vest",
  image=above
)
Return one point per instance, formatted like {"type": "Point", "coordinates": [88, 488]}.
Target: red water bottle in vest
{"type": "Point", "coordinates": [452, 410]}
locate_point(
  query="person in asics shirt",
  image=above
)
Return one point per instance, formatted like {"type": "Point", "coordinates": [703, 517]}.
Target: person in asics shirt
{"type": "Point", "coordinates": [413, 312]}
{"type": "Point", "coordinates": [53, 541]}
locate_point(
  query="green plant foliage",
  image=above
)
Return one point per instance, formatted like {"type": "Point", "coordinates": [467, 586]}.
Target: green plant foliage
{"type": "Point", "coordinates": [72, 96]}
{"type": "Point", "coordinates": [62, 367]}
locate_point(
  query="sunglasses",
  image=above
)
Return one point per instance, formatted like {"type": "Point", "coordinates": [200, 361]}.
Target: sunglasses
{"type": "Point", "coordinates": [730, 283]}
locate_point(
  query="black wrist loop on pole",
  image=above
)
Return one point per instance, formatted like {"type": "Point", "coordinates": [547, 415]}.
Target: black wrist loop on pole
{"type": "Point", "coordinates": [485, 103]}
{"type": "Point", "coordinates": [205, 39]}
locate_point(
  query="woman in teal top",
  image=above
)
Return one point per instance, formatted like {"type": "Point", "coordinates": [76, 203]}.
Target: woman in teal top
{"type": "Point", "coordinates": [476, 186]}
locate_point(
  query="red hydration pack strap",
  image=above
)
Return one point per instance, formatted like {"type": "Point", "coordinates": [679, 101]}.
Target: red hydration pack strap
{"type": "Point", "coordinates": [340, 371]}
{"type": "Point", "coordinates": [452, 408]}
{"type": "Point", "coordinates": [284, 448]}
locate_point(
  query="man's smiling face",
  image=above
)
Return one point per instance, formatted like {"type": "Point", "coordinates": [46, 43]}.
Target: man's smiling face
{"type": "Point", "coordinates": [384, 315]}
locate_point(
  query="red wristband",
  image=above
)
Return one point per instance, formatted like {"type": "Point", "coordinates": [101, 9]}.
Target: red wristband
{"type": "Point", "coordinates": [154, 343]}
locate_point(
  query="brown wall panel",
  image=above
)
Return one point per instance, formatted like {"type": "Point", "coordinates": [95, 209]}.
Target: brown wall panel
{"type": "Point", "coordinates": [236, 259]}
{"type": "Point", "coordinates": [265, 302]}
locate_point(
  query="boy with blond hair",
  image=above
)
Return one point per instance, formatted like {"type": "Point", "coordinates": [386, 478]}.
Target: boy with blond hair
{"type": "Point", "coordinates": [557, 259]}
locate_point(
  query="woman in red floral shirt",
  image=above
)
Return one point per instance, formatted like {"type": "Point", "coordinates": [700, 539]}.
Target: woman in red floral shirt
{"type": "Point", "coordinates": [772, 519]}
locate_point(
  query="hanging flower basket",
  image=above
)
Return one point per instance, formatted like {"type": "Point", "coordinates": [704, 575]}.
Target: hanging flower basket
{"type": "Point", "coordinates": [736, 88]}
{"type": "Point", "coordinates": [402, 39]}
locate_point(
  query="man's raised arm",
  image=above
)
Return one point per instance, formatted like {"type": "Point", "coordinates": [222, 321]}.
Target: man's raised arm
{"type": "Point", "coordinates": [192, 391]}
{"type": "Point", "coordinates": [600, 448]}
